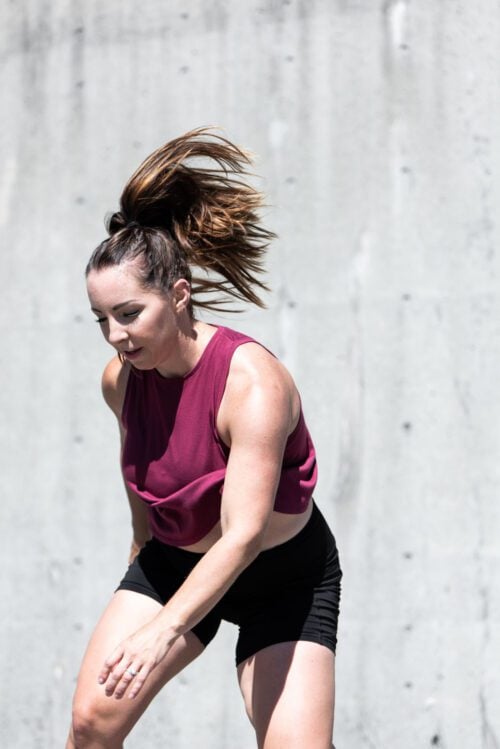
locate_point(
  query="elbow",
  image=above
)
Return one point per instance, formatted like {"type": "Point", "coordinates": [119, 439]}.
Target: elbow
{"type": "Point", "coordinates": [254, 545]}
{"type": "Point", "coordinates": [248, 545]}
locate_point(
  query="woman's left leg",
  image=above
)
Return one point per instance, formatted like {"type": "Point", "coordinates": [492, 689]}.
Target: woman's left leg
{"type": "Point", "coordinates": [289, 693]}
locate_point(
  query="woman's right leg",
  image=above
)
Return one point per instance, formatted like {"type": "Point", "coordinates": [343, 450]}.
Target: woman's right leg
{"type": "Point", "coordinates": [101, 722]}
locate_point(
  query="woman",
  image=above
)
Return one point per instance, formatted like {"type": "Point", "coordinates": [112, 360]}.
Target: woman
{"type": "Point", "coordinates": [218, 465]}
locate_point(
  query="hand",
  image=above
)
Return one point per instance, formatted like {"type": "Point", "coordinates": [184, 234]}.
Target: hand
{"type": "Point", "coordinates": [134, 659]}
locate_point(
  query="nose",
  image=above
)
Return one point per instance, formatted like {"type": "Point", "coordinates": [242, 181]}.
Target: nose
{"type": "Point", "coordinates": [116, 333]}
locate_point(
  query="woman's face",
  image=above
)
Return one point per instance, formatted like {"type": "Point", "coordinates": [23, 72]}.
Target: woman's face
{"type": "Point", "coordinates": [140, 324]}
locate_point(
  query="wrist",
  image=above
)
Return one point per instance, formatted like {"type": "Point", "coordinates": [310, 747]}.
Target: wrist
{"type": "Point", "coordinates": [170, 631]}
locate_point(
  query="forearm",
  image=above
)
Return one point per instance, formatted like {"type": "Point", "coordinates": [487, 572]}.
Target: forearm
{"type": "Point", "coordinates": [139, 516]}
{"type": "Point", "coordinates": [207, 583]}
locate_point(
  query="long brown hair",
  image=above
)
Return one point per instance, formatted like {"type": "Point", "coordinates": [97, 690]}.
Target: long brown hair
{"type": "Point", "coordinates": [174, 215]}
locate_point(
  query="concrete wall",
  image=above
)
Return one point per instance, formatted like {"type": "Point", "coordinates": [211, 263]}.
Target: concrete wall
{"type": "Point", "coordinates": [376, 127]}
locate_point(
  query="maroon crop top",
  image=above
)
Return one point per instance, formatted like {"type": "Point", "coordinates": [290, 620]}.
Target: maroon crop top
{"type": "Point", "coordinates": [173, 457]}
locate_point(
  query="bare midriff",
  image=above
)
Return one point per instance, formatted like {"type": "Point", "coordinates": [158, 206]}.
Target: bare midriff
{"type": "Point", "coordinates": [281, 528]}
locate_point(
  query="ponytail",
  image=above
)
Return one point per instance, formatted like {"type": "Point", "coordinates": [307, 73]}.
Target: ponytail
{"type": "Point", "coordinates": [176, 215]}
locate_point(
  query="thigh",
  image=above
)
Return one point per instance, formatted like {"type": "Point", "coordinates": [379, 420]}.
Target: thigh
{"type": "Point", "coordinates": [289, 693]}
{"type": "Point", "coordinates": [126, 613]}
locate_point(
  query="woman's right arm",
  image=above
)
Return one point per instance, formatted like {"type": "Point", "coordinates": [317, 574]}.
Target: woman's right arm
{"type": "Point", "coordinates": [114, 384]}
{"type": "Point", "coordinates": [141, 531]}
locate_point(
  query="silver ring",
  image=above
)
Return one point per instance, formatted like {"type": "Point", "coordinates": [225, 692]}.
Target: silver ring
{"type": "Point", "coordinates": [131, 672]}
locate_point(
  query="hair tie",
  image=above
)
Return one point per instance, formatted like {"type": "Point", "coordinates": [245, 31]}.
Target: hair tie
{"type": "Point", "coordinates": [115, 222]}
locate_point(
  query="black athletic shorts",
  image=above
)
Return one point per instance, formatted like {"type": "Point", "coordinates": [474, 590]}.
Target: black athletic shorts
{"type": "Point", "coordinates": [289, 592]}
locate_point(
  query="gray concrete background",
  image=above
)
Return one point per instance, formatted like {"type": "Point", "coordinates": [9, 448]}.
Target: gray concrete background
{"type": "Point", "coordinates": [376, 127]}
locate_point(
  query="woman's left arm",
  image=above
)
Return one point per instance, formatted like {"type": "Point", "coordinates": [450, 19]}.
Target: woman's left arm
{"type": "Point", "coordinates": [258, 418]}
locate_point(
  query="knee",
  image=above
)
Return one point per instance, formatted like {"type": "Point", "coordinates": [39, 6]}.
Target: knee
{"type": "Point", "coordinates": [84, 725]}
{"type": "Point", "coordinates": [91, 726]}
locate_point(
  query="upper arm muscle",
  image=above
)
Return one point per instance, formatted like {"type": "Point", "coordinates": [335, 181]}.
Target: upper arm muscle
{"type": "Point", "coordinates": [257, 416]}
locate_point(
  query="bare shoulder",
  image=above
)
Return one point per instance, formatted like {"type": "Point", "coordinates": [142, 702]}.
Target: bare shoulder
{"type": "Point", "coordinates": [114, 383]}
{"type": "Point", "coordinates": [253, 364]}
{"type": "Point", "coordinates": [258, 385]}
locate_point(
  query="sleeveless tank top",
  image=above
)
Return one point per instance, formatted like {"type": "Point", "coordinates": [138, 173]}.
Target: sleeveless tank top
{"type": "Point", "coordinates": [173, 457]}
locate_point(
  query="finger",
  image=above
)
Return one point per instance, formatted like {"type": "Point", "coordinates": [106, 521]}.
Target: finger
{"type": "Point", "coordinates": [130, 673]}
{"type": "Point", "coordinates": [116, 675]}
{"type": "Point", "coordinates": [109, 663]}
{"type": "Point", "coordinates": [140, 678]}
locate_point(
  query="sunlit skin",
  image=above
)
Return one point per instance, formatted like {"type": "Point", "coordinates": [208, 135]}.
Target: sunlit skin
{"type": "Point", "coordinates": [150, 328]}
{"type": "Point", "coordinates": [259, 409]}
{"type": "Point", "coordinates": [160, 328]}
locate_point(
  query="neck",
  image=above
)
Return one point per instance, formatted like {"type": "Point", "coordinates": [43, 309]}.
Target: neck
{"type": "Point", "coordinates": [192, 340]}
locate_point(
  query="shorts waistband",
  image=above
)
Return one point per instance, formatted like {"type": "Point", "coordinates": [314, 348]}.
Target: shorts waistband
{"type": "Point", "coordinates": [315, 519]}
{"type": "Point", "coordinates": [304, 533]}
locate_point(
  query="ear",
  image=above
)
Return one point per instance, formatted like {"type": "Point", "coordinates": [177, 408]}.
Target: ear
{"type": "Point", "coordinates": [181, 294]}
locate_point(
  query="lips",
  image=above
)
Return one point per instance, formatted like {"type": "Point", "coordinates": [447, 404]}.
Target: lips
{"type": "Point", "coordinates": [132, 354]}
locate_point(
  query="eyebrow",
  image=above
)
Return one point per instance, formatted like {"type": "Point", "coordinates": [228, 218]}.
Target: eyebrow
{"type": "Point", "coordinates": [117, 306]}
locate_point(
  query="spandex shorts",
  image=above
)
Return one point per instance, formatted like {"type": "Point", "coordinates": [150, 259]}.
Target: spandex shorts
{"type": "Point", "coordinates": [288, 593]}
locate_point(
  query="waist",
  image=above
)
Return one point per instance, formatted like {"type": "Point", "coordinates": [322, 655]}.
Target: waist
{"type": "Point", "coordinates": [282, 527]}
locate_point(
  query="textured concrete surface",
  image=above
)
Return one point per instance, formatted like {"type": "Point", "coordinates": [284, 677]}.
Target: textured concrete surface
{"type": "Point", "coordinates": [376, 127]}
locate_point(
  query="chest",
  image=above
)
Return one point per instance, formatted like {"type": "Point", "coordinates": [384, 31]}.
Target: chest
{"type": "Point", "coordinates": [171, 436]}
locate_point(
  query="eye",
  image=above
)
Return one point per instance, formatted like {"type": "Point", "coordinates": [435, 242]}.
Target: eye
{"type": "Point", "coordinates": [100, 320]}
{"type": "Point", "coordinates": [131, 314]}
